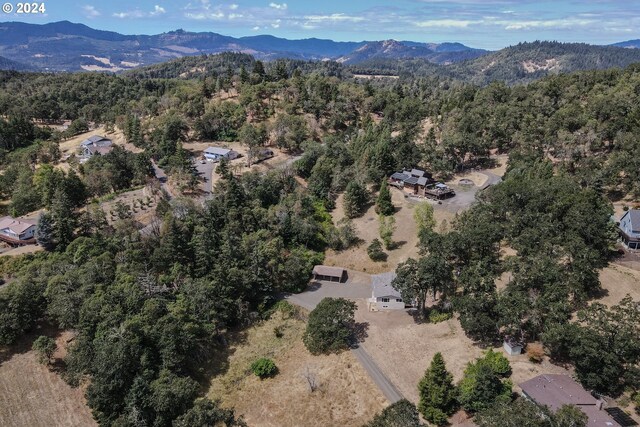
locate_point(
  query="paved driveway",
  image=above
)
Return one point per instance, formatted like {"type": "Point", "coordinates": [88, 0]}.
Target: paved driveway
{"type": "Point", "coordinates": [205, 170]}
{"type": "Point", "coordinates": [357, 287]}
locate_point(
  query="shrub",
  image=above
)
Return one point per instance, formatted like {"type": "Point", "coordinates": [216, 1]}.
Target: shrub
{"type": "Point", "coordinates": [44, 347]}
{"type": "Point", "coordinates": [277, 331]}
{"type": "Point", "coordinates": [264, 368]}
{"type": "Point", "coordinates": [535, 352]}
{"type": "Point", "coordinates": [436, 316]}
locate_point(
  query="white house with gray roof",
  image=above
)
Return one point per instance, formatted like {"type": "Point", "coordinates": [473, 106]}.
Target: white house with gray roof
{"type": "Point", "coordinates": [17, 231]}
{"type": "Point", "coordinates": [383, 295]}
{"type": "Point", "coordinates": [630, 228]}
{"type": "Point", "coordinates": [215, 154]}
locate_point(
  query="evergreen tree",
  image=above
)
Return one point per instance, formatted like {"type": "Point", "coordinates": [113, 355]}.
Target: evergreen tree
{"type": "Point", "coordinates": [44, 231]}
{"type": "Point", "coordinates": [63, 219]}
{"type": "Point", "coordinates": [437, 393]}
{"type": "Point", "coordinates": [356, 198]}
{"type": "Point", "coordinates": [484, 383]}
{"type": "Point", "coordinates": [400, 414]}
{"type": "Point", "coordinates": [384, 205]}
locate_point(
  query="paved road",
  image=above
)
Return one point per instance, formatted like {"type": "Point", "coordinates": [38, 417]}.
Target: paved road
{"type": "Point", "coordinates": [388, 389]}
{"type": "Point", "coordinates": [357, 287]}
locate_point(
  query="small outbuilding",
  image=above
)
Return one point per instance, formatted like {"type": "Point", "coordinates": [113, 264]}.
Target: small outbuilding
{"type": "Point", "coordinates": [512, 347]}
{"type": "Point", "coordinates": [325, 273]}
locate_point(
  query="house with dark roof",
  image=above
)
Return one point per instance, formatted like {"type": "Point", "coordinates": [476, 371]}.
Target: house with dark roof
{"type": "Point", "coordinates": [96, 144]}
{"type": "Point", "coordinates": [421, 183]}
{"type": "Point", "coordinates": [383, 295]}
{"type": "Point", "coordinates": [17, 231]}
{"type": "Point", "coordinates": [555, 391]}
{"type": "Point", "coordinates": [630, 229]}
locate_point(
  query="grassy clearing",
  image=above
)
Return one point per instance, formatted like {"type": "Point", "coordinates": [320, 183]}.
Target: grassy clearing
{"type": "Point", "coordinates": [345, 396]}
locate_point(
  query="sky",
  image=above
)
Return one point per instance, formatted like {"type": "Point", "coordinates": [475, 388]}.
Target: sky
{"type": "Point", "coordinates": [488, 24]}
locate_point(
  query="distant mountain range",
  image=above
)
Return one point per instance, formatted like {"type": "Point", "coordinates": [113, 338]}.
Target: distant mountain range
{"type": "Point", "coordinates": [633, 44]}
{"type": "Point", "coordinates": [391, 49]}
{"type": "Point", "coordinates": [66, 46]}
{"type": "Point", "coordinates": [79, 47]}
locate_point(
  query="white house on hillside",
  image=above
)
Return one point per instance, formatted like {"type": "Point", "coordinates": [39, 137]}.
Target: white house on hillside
{"type": "Point", "coordinates": [215, 154]}
{"type": "Point", "coordinates": [17, 231]}
{"type": "Point", "coordinates": [630, 228]}
{"type": "Point", "coordinates": [96, 144]}
{"type": "Point", "coordinates": [383, 295]}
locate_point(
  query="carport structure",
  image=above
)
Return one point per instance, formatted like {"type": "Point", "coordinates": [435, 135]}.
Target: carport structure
{"type": "Point", "coordinates": [329, 274]}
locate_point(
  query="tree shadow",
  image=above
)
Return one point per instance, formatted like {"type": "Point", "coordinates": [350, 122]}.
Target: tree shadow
{"type": "Point", "coordinates": [214, 360]}
{"type": "Point", "coordinates": [360, 333]}
{"type": "Point", "coordinates": [25, 342]}
{"type": "Point", "coordinates": [398, 245]}
{"type": "Point", "coordinates": [418, 318]}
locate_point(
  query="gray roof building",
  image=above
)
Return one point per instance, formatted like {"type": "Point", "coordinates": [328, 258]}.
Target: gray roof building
{"type": "Point", "coordinates": [554, 391]}
{"type": "Point", "coordinates": [381, 285]}
{"type": "Point", "coordinates": [96, 141]}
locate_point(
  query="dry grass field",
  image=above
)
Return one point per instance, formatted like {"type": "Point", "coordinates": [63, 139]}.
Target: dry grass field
{"type": "Point", "coordinates": [366, 226]}
{"type": "Point", "coordinates": [403, 349]}
{"type": "Point", "coordinates": [618, 281]}
{"type": "Point", "coordinates": [346, 396]}
{"type": "Point", "coordinates": [32, 395]}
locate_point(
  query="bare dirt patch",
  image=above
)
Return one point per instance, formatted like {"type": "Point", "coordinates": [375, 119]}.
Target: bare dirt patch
{"type": "Point", "coordinates": [32, 395]}
{"type": "Point", "coordinates": [346, 396]}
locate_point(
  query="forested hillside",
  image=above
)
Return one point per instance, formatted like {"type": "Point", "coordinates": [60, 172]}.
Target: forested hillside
{"type": "Point", "coordinates": [151, 309]}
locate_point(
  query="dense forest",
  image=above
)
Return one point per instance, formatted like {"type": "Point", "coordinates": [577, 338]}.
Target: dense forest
{"type": "Point", "coordinates": [150, 310]}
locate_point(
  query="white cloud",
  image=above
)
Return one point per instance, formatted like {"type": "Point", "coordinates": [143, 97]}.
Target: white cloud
{"type": "Point", "coordinates": [157, 10]}
{"type": "Point", "coordinates": [235, 16]}
{"type": "Point", "coordinates": [279, 6]}
{"type": "Point", "coordinates": [550, 23]}
{"type": "Point", "coordinates": [200, 16]}
{"type": "Point", "coordinates": [137, 13]}
{"type": "Point", "coordinates": [90, 11]}
{"type": "Point", "coordinates": [233, 6]}
{"type": "Point", "coordinates": [276, 24]}
{"type": "Point", "coordinates": [334, 17]}
{"type": "Point", "coordinates": [256, 28]}
{"type": "Point", "coordinates": [445, 23]}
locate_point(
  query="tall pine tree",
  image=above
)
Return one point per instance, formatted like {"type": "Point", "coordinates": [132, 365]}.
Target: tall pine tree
{"type": "Point", "coordinates": [44, 231]}
{"type": "Point", "coordinates": [63, 219]}
{"type": "Point", "coordinates": [384, 206]}
{"type": "Point", "coordinates": [437, 393]}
